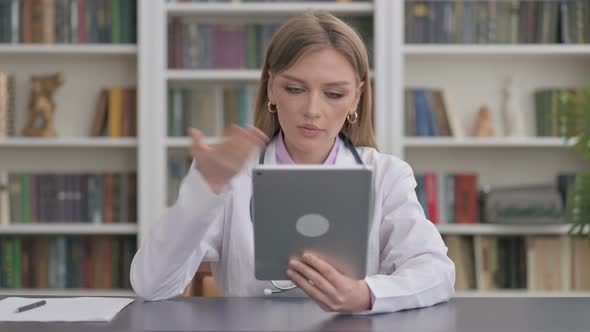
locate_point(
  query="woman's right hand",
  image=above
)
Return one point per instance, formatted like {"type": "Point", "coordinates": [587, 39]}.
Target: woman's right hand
{"type": "Point", "coordinates": [219, 163]}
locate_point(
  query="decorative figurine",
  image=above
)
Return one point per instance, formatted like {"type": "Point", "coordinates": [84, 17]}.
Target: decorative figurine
{"type": "Point", "coordinates": [512, 116]}
{"type": "Point", "coordinates": [484, 126]}
{"type": "Point", "coordinates": [40, 120]}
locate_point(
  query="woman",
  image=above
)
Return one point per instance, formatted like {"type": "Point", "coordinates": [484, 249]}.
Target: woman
{"type": "Point", "coordinates": [314, 92]}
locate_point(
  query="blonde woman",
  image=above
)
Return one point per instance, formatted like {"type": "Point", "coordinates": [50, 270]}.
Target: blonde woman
{"type": "Point", "coordinates": [313, 107]}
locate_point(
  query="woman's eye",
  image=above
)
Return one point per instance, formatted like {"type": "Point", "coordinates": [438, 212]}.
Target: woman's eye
{"type": "Point", "coordinates": [293, 89]}
{"type": "Point", "coordinates": [334, 95]}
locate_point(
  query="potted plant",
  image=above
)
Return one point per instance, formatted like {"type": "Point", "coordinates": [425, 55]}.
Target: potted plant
{"type": "Point", "coordinates": [574, 120]}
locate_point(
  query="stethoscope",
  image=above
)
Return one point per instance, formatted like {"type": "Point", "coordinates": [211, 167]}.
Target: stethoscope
{"type": "Point", "coordinates": [286, 285]}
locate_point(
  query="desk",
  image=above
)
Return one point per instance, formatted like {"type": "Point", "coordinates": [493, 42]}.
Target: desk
{"type": "Point", "coordinates": [299, 314]}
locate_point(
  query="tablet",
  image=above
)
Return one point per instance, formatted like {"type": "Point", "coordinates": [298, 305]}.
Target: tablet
{"type": "Point", "coordinates": [323, 209]}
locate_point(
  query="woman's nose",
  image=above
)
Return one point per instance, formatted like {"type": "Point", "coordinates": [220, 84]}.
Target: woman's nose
{"type": "Point", "coordinates": [313, 109]}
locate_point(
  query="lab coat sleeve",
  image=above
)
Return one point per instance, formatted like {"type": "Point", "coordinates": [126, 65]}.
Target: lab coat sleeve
{"type": "Point", "coordinates": [414, 270]}
{"type": "Point", "coordinates": [176, 244]}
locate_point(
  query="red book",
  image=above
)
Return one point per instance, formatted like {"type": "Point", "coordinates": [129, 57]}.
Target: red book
{"type": "Point", "coordinates": [466, 198]}
{"type": "Point", "coordinates": [431, 193]}
{"type": "Point", "coordinates": [81, 22]}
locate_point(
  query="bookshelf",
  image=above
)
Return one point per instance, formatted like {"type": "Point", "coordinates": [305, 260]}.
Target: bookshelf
{"type": "Point", "coordinates": [89, 65]}
{"type": "Point", "coordinates": [471, 75]}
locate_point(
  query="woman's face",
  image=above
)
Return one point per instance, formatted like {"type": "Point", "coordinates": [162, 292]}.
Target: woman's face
{"type": "Point", "coordinates": [313, 98]}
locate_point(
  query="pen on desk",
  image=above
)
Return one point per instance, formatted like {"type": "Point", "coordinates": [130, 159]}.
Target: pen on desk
{"type": "Point", "coordinates": [30, 306]}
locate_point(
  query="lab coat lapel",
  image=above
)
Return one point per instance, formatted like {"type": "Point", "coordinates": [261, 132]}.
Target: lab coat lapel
{"type": "Point", "coordinates": [344, 156]}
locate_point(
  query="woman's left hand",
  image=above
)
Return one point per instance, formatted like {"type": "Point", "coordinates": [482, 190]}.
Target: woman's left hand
{"type": "Point", "coordinates": [332, 290]}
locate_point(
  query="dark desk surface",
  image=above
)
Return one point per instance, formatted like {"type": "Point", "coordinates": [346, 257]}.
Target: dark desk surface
{"type": "Point", "coordinates": [298, 314]}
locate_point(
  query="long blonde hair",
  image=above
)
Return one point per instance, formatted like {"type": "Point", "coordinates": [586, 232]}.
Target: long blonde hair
{"type": "Point", "coordinates": [313, 31]}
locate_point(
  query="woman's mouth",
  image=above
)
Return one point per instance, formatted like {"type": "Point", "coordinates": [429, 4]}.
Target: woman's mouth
{"type": "Point", "coordinates": [309, 130]}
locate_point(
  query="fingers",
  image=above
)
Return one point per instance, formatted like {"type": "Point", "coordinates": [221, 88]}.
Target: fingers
{"type": "Point", "coordinates": [197, 143]}
{"type": "Point", "coordinates": [260, 134]}
{"type": "Point", "coordinates": [317, 280]}
{"type": "Point", "coordinates": [332, 275]}
{"type": "Point", "coordinates": [253, 135]}
{"type": "Point", "coordinates": [313, 292]}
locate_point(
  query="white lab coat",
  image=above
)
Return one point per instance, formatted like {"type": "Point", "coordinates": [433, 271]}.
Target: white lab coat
{"type": "Point", "coordinates": [407, 264]}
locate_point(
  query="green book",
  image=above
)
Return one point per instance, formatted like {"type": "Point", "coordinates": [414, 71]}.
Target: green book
{"type": "Point", "coordinates": [17, 277]}
{"type": "Point", "coordinates": [115, 22]}
{"type": "Point", "coordinates": [26, 198]}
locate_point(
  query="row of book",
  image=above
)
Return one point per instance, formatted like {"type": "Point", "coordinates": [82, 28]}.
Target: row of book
{"type": "Point", "coordinates": [7, 116]}
{"type": "Point", "coordinates": [449, 198]}
{"type": "Point", "coordinates": [550, 119]}
{"type": "Point", "coordinates": [194, 44]}
{"type": "Point", "coordinates": [426, 113]}
{"type": "Point", "coordinates": [210, 109]}
{"type": "Point", "coordinates": [70, 198]}
{"type": "Point", "coordinates": [458, 198]}
{"type": "Point", "coordinates": [61, 262]}
{"type": "Point", "coordinates": [200, 45]}
{"type": "Point", "coordinates": [116, 113]}
{"type": "Point", "coordinates": [537, 263]}
{"type": "Point", "coordinates": [502, 22]}
{"type": "Point", "coordinates": [68, 21]}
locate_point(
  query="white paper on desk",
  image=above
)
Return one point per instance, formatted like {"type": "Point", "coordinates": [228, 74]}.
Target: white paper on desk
{"type": "Point", "coordinates": [72, 309]}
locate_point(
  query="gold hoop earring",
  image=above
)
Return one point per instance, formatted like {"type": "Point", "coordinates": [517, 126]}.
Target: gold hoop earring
{"type": "Point", "coordinates": [352, 119]}
{"type": "Point", "coordinates": [269, 106]}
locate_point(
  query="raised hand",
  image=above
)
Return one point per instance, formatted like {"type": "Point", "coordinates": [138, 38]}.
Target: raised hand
{"type": "Point", "coordinates": [219, 163]}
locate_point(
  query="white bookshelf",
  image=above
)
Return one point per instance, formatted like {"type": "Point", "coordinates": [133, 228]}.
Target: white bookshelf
{"type": "Point", "coordinates": [68, 49]}
{"type": "Point", "coordinates": [74, 142]}
{"type": "Point", "coordinates": [496, 50]}
{"type": "Point", "coordinates": [68, 229]}
{"type": "Point", "coordinates": [87, 68]}
{"type": "Point", "coordinates": [241, 10]}
{"type": "Point", "coordinates": [213, 75]}
{"type": "Point", "coordinates": [471, 76]}
{"type": "Point", "coordinates": [185, 142]}
{"type": "Point", "coordinates": [519, 293]}
{"type": "Point", "coordinates": [496, 142]}
{"type": "Point", "coordinates": [500, 229]}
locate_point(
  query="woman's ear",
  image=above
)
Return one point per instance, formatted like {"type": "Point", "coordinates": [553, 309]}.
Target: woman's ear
{"type": "Point", "coordinates": [357, 95]}
{"type": "Point", "coordinates": [269, 89]}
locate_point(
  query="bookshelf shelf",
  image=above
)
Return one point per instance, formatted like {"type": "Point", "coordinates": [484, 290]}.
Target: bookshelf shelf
{"type": "Point", "coordinates": [265, 9]}
{"type": "Point", "coordinates": [66, 292]}
{"type": "Point", "coordinates": [521, 293]}
{"type": "Point", "coordinates": [185, 142]}
{"type": "Point", "coordinates": [68, 49]}
{"type": "Point", "coordinates": [94, 142]}
{"type": "Point", "coordinates": [216, 75]}
{"type": "Point", "coordinates": [70, 229]}
{"type": "Point", "coordinates": [499, 229]}
{"type": "Point", "coordinates": [501, 142]}
{"type": "Point", "coordinates": [213, 75]}
{"type": "Point", "coordinates": [496, 50]}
